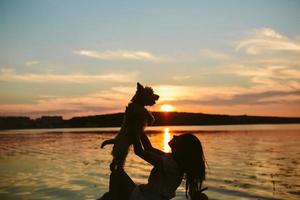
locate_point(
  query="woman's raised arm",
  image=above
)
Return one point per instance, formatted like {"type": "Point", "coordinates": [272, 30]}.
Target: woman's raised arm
{"type": "Point", "coordinates": [147, 144]}
{"type": "Point", "coordinates": [149, 156]}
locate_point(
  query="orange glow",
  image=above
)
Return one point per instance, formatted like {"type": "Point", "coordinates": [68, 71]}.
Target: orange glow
{"type": "Point", "coordinates": [167, 138]}
{"type": "Point", "coordinates": [167, 108]}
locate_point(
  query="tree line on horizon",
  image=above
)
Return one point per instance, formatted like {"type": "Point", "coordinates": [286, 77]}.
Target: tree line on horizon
{"type": "Point", "coordinates": [161, 119]}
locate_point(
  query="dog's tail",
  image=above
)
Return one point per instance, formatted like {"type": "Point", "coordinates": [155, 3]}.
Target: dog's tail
{"type": "Point", "coordinates": [106, 142]}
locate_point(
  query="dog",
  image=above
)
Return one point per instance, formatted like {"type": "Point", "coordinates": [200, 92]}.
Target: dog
{"type": "Point", "coordinates": [136, 118]}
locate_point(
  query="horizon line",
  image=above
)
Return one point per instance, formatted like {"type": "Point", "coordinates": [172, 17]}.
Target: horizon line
{"type": "Point", "coordinates": [168, 112]}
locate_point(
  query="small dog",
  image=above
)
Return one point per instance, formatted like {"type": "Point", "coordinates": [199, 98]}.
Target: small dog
{"type": "Point", "coordinates": [136, 118]}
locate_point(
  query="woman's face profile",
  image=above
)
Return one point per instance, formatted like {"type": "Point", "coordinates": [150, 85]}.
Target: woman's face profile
{"type": "Point", "coordinates": [174, 142]}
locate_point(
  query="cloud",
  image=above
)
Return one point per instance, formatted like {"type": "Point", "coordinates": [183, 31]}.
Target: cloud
{"type": "Point", "coordinates": [111, 100]}
{"type": "Point", "coordinates": [264, 77]}
{"type": "Point", "coordinates": [180, 92]}
{"type": "Point", "coordinates": [120, 55]}
{"type": "Point", "coordinates": [266, 40]}
{"type": "Point", "coordinates": [263, 98]}
{"type": "Point", "coordinates": [106, 101]}
{"type": "Point", "coordinates": [184, 98]}
{"type": "Point", "coordinates": [7, 74]}
{"type": "Point", "coordinates": [266, 71]}
{"type": "Point", "coordinates": [32, 62]}
{"type": "Point", "coordinates": [265, 83]}
{"type": "Point", "coordinates": [230, 100]}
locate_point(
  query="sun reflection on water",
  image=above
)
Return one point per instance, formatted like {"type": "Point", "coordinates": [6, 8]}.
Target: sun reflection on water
{"type": "Point", "coordinates": [167, 138]}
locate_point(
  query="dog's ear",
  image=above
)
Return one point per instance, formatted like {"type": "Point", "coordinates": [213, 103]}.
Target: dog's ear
{"type": "Point", "coordinates": [139, 86]}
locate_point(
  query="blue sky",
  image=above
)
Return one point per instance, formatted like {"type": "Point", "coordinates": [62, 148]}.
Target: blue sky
{"type": "Point", "coordinates": [84, 57]}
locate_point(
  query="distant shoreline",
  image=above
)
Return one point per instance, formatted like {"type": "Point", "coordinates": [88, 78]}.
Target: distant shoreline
{"type": "Point", "coordinates": [161, 119]}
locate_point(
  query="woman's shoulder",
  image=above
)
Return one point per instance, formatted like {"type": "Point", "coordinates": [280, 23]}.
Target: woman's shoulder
{"type": "Point", "coordinates": [168, 158]}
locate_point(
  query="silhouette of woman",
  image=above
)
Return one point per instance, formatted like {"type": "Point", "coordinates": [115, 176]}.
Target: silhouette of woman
{"type": "Point", "coordinates": [186, 160]}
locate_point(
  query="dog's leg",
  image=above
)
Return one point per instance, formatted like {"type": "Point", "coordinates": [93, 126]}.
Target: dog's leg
{"type": "Point", "coordinates": [122, 159]}
{"type": "Point", "coordinates": [119, 159]}
{"type": "Point", "coordinates": [113, 165]}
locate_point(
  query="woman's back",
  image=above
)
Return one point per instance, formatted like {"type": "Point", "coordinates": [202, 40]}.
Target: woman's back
{"type": "Point", "coordinates": [163, 181]}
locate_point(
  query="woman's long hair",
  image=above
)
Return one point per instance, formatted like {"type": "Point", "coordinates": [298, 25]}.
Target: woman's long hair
{"type": "Point", "coordinates": [190, 157]}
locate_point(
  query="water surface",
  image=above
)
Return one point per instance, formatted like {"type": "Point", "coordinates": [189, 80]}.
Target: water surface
{"type": "Point", "coordinates": [245, 162]}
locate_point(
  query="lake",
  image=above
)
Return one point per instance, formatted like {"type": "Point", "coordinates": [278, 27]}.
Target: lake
{"type": "Point", "coordinates": [245, 161]}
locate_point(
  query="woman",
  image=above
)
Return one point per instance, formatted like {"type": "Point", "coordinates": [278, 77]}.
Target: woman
{"type": "Point", "coordinates": [186, 160]}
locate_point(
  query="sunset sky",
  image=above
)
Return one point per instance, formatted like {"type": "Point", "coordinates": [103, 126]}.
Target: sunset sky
{"type": "Point", "coordinates": [73, 58]}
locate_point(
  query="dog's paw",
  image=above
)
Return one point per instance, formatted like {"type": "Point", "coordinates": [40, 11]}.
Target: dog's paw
{"type": "Point", "coordinates": [103, 144]}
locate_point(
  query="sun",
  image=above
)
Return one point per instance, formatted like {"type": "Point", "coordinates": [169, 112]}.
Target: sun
{"type": "Point", "coordinates": [167, 108]}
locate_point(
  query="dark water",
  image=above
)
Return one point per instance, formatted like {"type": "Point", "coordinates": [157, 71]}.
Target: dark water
{"type": "Point", "coordinates": [245, 162]}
